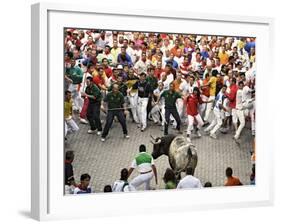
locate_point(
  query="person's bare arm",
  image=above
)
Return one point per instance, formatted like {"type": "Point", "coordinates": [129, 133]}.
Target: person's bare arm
{"type": "Point", "coordinates": [130, 171]}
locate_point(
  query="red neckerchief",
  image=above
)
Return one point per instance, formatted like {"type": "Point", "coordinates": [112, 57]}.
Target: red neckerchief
{"type": "Point", "coordinates": [81, 188]}
{"type": "Point", "coordinates": [68, 161]}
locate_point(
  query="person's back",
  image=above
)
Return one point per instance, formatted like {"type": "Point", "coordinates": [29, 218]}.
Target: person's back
{"type": "Point", "coordinates": [170, 185]}
{"type": "Point", "coordinates": [233, 181]}
{"type": "Point", "coordinates": [189, 181]}
{"type": "Point", "coordinates": [123, 185]}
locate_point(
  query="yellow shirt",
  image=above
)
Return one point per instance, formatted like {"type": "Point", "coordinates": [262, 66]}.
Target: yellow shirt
{"type": "Point", "coordinates": [213, 84]}
{"type": "Point", "coordinates": [67, 109]}
{"type": "Point", "coordinates": [223, 58]}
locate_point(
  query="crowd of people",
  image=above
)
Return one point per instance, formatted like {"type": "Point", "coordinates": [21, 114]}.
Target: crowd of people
{"type": "Point", "coordinates": [170, 79]}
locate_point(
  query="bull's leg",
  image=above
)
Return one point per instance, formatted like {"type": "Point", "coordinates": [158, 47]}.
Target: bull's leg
{"type": "Point", "coordinates": [172, 162]}
{"type": "Point", "coordinates": [178, 176]}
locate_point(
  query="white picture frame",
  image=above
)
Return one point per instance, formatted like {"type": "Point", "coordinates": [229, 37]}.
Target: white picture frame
{"type": "Point", "coordinates": [48, 201]}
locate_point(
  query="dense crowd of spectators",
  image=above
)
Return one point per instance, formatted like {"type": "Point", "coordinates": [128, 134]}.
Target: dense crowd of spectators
{"type": "Point", "coordinates": [170, 79]}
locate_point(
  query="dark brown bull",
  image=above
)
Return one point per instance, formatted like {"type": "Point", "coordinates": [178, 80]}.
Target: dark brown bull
{"type": "Point", "coordinates": [181, 153]}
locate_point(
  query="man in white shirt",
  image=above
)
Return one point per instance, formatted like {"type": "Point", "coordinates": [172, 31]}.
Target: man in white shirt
{"type": "Point", "coordinates": [218, 112]}
{"type": "Point", "coordinates": [145, 165]}
{"type": "Point", "coordinates": [123, 185]}
{"type": "Point", "coordinates": [160, 106]}
{"type": "Point", "coordinates": [169, 77]}
{"type": "Point", "coordinates": [249, 105]}
{"type": "Point", "coordinates": [240, 109]}
{"type": "Point", "coordinates": [142, 64]}
{"type": "Point", "coordinates": [189, 181]}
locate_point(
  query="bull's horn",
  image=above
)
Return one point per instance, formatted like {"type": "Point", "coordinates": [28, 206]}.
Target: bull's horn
{"type": "Point", "coordinates": [159, 141]}
{"type": "Point", "coordinates": [152, 137]}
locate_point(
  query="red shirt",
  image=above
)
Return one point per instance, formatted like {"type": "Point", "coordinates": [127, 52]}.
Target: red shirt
{"type": "Point", "coordinates": [108, 72]}
{"type": "Point", "coordinates": [158, 72]}
{"type": "Point", "coordinates": [98, 80]}
{"type": "Point", "coordinates": [192, 103]}
{"type": "Point", "coordinates": [232, 95]}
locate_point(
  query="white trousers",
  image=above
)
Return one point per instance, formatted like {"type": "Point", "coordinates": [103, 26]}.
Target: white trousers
{"type": "Point", "coordinates": [133, 100]}
{"type": "Point", "coordinates": [251, 113]}
{"type": "Point", "coordinates": [209, 107]}
{"type": "Point", "coordinates": [241, 118]}
{"type": "Point", "coordinates": [141, 111]}
{"type": "Point", "coordinates": [203, 106]}
{"type": "Point", "coordinates": [191, 122]}
{"type": "Point", "coordinates": [77, 99]}
{"type": "Point", "coordinates": [234, 116]}
{"type": "Point", "coordinates": [179, 105]}
{"type": "Point", "coordinates": [216, 123]}
{"type": "Point", "coordinates": [70, 126]}
{"type": "Point", "coordinates": [155, 113]}
{"type": "Point", "coordinates": [143, 179]}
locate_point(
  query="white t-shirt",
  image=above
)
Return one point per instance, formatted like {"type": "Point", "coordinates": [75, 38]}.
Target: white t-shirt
{"type": "Point", "coordinates": [185, 87]}
{"type": "Point", "coordinates": [159, 92]}
{"type": "Point", "coordinates": [189, 181]}
{"type": "Point", "coordinates": [118, 186]}
{"type": "Point", "coordinates": [141, 66]}
{"type": "Point", "coordinates": [239, 99]}
{"type": "Point", "coordinates": [170, 79]}
{"type": "Point", "coordinates": [247, 93]}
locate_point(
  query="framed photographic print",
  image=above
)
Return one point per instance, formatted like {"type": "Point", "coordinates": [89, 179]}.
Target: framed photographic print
{"type": "Point", "coordinates": [166, 111]}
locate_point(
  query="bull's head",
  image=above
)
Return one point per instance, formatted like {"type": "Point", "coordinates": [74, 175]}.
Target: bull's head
{"type": "Point", "coordinates": [157, 147]}
{"type": "Point", "coordinates": [161, 145]}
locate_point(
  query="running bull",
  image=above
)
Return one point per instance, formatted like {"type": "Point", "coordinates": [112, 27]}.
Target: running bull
{"type": "Point", "coordinates": [181, 153]}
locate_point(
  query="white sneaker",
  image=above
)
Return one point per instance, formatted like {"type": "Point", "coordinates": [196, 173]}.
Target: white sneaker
{"type": "Point", "coordinates": [142, 129]}
{"type": "Point", "coordinates": [126, 136]}
{"type": "Point", "coordinates": [213, 136]}
{"type": "Point", "coordinates": [91, 131]}
{"type": "Point", "coordinates": [99, 133]}
{"type": "Point", "coordinates": [102, 139]}
{"type": "Point", "coordinates": [83, 121]}
{"type": "Point", "coordinates": [199, 134]}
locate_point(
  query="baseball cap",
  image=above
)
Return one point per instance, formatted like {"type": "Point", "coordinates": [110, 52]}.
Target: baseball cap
{"type": "Point", "coordinates": [119, 67]}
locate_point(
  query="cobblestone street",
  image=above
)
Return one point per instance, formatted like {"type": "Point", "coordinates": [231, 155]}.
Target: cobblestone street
{"type": "Point", "coordinates": [104, 160]}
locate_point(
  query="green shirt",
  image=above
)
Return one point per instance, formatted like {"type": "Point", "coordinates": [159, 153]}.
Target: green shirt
{"type": "Point", "coordinates": [122, 88]}
{"type": "Point", "coordinates": [75, 74]}
{"type": "Point", "coordinates": [170, 98]}
{"type": "Point", "coordinates": [114, 100]}
{"type": "Point", "coordinates": [94, 91]}
{"type": "Point", "coordinates": [143, 158]}
{"type": "Point", "coordinates": [170, 185]}
{"type": "Point", "coordinates": [153, 82]}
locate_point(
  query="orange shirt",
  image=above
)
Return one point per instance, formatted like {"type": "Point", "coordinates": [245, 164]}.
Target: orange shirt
{"type": "Point", "coordinates": [177, 85]}
{"type": "Point", "coordinates": [206, 89]}
{"type": "Point", "coordinates": [232, 181]}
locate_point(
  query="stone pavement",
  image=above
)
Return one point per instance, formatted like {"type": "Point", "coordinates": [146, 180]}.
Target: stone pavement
{"type": "Point", "coordinates": [104, 160]}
